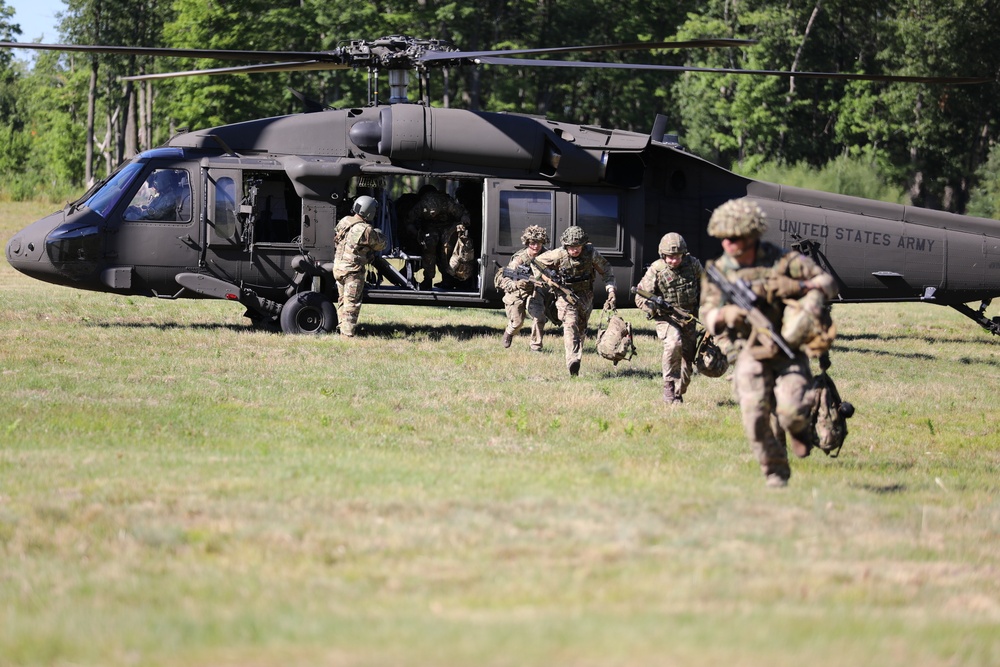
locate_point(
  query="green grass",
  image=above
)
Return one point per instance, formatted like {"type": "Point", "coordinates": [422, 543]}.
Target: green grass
{"type": "Point", "coordinates": [176, 489]}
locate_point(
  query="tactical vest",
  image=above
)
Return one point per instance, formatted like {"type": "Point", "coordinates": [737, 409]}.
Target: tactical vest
{"type": "Point", "coordinates": [681, 286]}
{"type": "Point", "coordinates": [770, 260]}
{"type": "Point", "coordinates": [356, 243]}
{"type": "Point", "coordinates": [577, 273]}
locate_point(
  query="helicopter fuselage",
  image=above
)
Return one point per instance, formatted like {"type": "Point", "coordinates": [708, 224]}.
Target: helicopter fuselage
{"type": "Point", "coordinates": [257, 203]}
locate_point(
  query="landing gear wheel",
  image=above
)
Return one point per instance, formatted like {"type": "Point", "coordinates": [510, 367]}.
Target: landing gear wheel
{"type": "Point", "coordinates": [308, 313]}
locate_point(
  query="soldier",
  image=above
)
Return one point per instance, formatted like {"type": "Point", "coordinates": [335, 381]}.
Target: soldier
{"type": "Point", "coordinates": [676, 277]}
{"type": "Point", "coordinates": [771, 389]}
{"type": "Point", "coordinates": [526, 295]}
{"type": "Point", "coordinates": [574, 265]}
{"type": "Point", "coordinates": [442, 226]}
{"type": "Point", "coordinates": [356, 243]}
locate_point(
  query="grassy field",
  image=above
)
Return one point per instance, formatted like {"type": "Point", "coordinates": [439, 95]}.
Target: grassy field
{"type": "Point", "coordinates": [176, 489]}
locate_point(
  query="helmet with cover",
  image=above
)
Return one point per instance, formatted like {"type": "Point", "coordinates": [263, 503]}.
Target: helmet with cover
{"type": "Point", "coordinates": [366, 207]}
{"type": "Point", "coordinates": [574, 236]}
{"type": "Point", "coordinates": [535, 234]}
{"type": "Point", "coordinates": [737, 218]}
{"type": "Point", "coordinates": [673, 244]}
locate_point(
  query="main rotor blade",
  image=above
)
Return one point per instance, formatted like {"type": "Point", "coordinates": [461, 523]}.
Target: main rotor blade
{"type": "Point", "coordinates": [258, 56]}
{"type": "Point", "coordinates": [629, 46]}
{"type": "Point", "coordinates": [718, 70]}
{"type": "Point", "coordinates": [265, 68]}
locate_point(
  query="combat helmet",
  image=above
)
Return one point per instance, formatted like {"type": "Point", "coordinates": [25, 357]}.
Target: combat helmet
{"type": "Point", "coordinates": [365, 207]}
{"type": "Point", "coordinates": [737, 218]}
{"type": "Point", "coordinates": [673, 244]}
{"type": "Point", "coordinates": [535, 234]}
{"type": "Point", "coordinates": [574, 236]}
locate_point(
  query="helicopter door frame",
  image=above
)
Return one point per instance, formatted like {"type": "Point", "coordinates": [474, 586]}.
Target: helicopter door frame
{"type": "Point", "coordinates": [512, 207]}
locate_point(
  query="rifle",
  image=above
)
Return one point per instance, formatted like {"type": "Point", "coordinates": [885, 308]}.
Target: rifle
{"type": "Point", "coordinates": [741, 294]}
{"type": "Point", "coordinates": [552, 279]}
{"type": "Point", "coordinates": [520, 272]}
{"type": "Point", "coordinates": [678, 315]}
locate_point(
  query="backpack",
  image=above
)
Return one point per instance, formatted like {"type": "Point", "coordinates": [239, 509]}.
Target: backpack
{"type": "Point", "coordinates": [830, 414]}
{"type": "Point", "coordinates": [614, 339]}
{"type": "Point", "coordinates": [709, 359]}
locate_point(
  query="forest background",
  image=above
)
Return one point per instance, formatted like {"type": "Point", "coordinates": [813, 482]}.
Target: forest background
{"type": "Point", "coordinates": [66, 120]}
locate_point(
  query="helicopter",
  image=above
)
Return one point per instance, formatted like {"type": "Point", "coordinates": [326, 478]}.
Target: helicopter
{"type": "Point", "coordinates": [263, 197]}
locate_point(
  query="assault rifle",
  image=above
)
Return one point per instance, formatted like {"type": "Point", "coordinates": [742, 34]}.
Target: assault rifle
{"type": "Point", "coordinates": [552, 279]}
{"type": "Point", "coordinates": [678, 315]}
{"type": "Point", "coordinates": [741, 294]}
{"type": "Point", "coordinates": [520, 272]}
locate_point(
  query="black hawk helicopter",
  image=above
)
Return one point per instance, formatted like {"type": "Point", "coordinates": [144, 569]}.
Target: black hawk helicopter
{"type": "Point", "coordinates": [257, 201]}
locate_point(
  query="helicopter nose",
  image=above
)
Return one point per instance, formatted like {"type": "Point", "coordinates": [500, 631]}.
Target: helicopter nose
{"type": "Point", "coordinates": [26, 250]}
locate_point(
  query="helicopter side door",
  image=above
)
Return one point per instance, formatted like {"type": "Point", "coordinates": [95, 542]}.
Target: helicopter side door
{"type": "Point", "coordinates": [271, 229]}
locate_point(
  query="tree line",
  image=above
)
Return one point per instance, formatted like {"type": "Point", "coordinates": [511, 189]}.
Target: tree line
{"type": "Point", "coordinates": [67, 119]}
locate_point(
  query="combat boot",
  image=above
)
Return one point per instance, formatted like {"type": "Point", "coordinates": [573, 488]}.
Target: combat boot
{"type": "Point", "coordinates": [574, 368]}
{"type": "Point", "coordinates": [508, 338]}
{"type": "Point", "coordinates": [803, 443]}
{"type": "Point", "coordinates": [669, 395]}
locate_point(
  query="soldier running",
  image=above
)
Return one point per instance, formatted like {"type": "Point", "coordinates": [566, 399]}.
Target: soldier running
{"type": "Point", "coordinates": [771, 388]}
{"type": "Point", "coordinates": [676, 277]}
{"type": "Point", "coordinates": [574, 266]}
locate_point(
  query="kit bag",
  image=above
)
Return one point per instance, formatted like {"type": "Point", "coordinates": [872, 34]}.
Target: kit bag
{"type": "Point", "coordinates": [614, 338]}
{"type": "Point", "coordinates": [709, 359]}
{"type": "Point", "coordinates": [830, 415]}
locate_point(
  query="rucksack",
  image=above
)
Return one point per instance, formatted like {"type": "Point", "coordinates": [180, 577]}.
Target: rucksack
{"type": "Point", "coordinates": [830, 415]}
{"type": "Point", "coordinates": [614, 340]}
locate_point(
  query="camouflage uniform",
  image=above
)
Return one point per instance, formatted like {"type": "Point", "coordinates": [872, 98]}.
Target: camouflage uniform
{"type": "Point", "coordinates": [772, 390]}
{"type": "Point", "coordinates": [681, 287]}
{"type": "Point", "coordinates": [577, 275]}
{"type": "Point", "coordinates": [524, 296]}
{"type": "Point", "coordinates": [442, 225]}
{"type": "Point", "coordinates": [356, 242]}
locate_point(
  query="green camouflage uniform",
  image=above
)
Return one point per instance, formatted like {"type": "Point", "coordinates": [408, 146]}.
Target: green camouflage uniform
{"type": "Point", "coordinates": [771, 389]}
{"type": "Point", "coordinates": [576, 274]}
{"type": "Point", "coordinates": [521, 296]}
{"type": "Point", "coordinates": [356, 242]}
{"type": "Point", "coordinates": [680, 287]}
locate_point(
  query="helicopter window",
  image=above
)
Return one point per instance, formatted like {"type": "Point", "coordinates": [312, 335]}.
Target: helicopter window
{"type": "Point", "coordinates": [102, 201]}
{"type": "Point", "coordinates": [277, 208]}
{"type": "Point", "coordinates": [165, 196]}
{"type": "Point", "coordinates": [520, 210]}
{"type": "Point", "coordinates": [598, 214]}
{"type": "Point", "coordinates": [224, 217]}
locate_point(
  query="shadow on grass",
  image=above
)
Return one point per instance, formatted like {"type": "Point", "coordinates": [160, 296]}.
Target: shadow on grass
{"type": "Point", "coordinates": [881, 489]}
{"type": "Point", "coordinates": [167, 326]}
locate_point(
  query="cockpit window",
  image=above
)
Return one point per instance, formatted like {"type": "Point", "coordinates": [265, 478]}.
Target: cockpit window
{"type": "Point", "coordinates": [102, 201]}
{"type": "Point", "coordinates": [164, 197]}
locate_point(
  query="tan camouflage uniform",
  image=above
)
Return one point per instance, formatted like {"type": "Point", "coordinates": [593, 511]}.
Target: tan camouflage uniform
{"type": "Point", "coordinates": [680, 287]}
{"type": "Point", "coordinates": [576, 274]}
{"type": "Point", "coordinates": [524, 296]}
{"type": "Point", "coordinates": [771, 389]}
{"type": "Point", "coordinates": [442, 225]}
{"type": "Point", "coordinates": [356, 242]}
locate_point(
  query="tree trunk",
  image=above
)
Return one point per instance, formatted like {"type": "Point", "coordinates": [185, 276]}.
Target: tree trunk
{"type": "Point", "coordinates": [91, 112]}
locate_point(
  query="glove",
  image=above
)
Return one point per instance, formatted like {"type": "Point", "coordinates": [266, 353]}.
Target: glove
{"type": "Point", "coordinates": [734, 316]}
{"type": "Point", "coordinates": [783, 287]}
{"type": "Point", "coordinates": [612, 297]}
